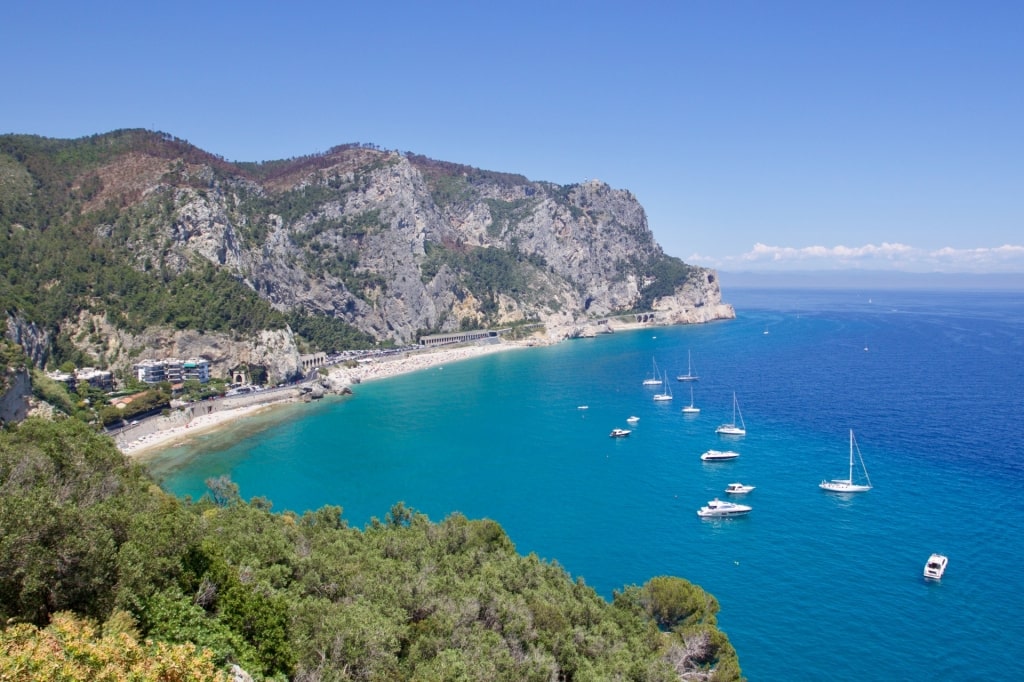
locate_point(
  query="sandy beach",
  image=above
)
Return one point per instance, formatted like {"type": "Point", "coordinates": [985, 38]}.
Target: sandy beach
{"type": "Point", "coordinates": [179, 428]}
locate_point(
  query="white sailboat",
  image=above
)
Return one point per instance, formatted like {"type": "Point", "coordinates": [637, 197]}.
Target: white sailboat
{"type": "Point", "coordinates": [731, 429]}
{"type": "Point", "coordinates": [666, 390]}
{"type": "Point", "coordinates": [655, 378]}
{"type": "Point", "coordinates": [691, 409]}
{"type": "Point", "coordinates": [847, 485]}
{"type": "Point", "coordinates": [689, 376]}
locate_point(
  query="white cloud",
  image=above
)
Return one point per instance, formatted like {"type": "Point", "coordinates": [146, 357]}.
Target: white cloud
{"type": "Point", "coordinates": [885, 256]}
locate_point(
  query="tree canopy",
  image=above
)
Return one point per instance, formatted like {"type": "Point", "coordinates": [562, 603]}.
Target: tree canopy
{"type": "Point", "coordinates": [90, 545]}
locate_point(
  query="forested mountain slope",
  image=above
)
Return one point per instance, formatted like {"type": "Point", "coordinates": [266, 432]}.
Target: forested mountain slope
{"type": "Point", "coordinates": [114, 245]}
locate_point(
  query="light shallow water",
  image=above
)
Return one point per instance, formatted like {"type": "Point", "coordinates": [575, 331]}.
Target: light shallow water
{"type": "Point", "coordinates": [812, 585]}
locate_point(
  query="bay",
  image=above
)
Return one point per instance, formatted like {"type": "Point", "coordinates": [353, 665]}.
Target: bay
{"type": "Point", "coordinates": [811, 585]}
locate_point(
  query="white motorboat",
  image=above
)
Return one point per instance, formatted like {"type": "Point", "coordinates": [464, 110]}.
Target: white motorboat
{"type": "Point", "coordinates": [738, 489]}
{"type": "Point", "coordinates": [716, 508]}
{"type": "Point", "coordinates": [935, 567]}
{"type": "Point", "coordinates": [689, 376]}
{"type": "Point", "coordinates": [632, 420]}
{"type": "Point", "coordinates": [848, 485]}
{"type": "Point", "coordinates": [719, 455]}
{"type": "Point", "coordinates": [731, 429]}
{"type": "Point", "coordinates": [691, 408]}
{"type": "Point", "coordinates": [620, 433]}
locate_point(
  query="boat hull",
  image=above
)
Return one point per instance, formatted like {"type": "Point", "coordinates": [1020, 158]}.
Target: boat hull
{"type": "Point", "coordinates": [716, 509]}
{"type": "Point", "coordinates": [843, 487]}
{"type": "Point", "coordinates": [719, 455]}
{"type": "Point", "coordinates": [729, 430]}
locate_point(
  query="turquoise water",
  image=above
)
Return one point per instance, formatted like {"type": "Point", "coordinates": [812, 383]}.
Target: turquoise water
{"type": "Point", "coordinates": [812, 585]}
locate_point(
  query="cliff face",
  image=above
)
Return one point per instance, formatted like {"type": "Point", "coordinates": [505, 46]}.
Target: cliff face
{"type": "Point", "coordinates": [15, 391]}
{"type": "Point", "coordinates": [380, 242]}
{"type": "Point", "coordinates": [394, 244]}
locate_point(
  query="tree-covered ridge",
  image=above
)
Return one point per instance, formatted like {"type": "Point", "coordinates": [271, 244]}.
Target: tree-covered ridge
{"type": "Point", "coordinates": [56, 259]}
{"type": "Point", "coordinates": [149, 235]}
{"type": "Point", "coordinates": [306, 597]}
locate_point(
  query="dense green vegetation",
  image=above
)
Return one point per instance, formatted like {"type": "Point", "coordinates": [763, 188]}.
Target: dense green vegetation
{"type": "Point", "coordinates": [42, 213]}
{"type": "Point", "coordinates": [668, 274]}
{"type": "Point", "coordinates": [305, 597]}
{"type": "Point", "coordinates": [328, 333]}
{"type": "Point", "coordinates": [50, 284]}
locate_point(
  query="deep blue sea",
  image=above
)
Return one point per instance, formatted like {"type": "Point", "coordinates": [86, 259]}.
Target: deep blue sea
{"type": "Point", "coordinates": [812, 585]}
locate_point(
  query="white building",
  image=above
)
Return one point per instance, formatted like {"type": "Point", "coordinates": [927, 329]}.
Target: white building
{"type": "Point", "coordinates": [196, 368]}
{"type": "Point", "coordinates": [172, 370]}
{"type": "Point", "coordinates": [149, 371]}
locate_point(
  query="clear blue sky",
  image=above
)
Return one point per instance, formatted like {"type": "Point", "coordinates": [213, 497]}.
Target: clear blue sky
{"type": "Point", "coordinates": [756, 134]}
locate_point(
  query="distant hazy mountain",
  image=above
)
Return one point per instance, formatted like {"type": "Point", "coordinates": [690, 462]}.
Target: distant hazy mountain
{"type": "Point", "coordinates": [872, 279]}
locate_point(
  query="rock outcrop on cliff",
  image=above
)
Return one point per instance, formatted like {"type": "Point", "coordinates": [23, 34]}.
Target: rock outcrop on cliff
{"type": "Point", "coordinates": [393, 244]}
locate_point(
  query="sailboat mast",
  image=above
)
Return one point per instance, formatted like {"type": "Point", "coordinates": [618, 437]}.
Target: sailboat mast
{"type": "Point", "coordinates": [851, 456]}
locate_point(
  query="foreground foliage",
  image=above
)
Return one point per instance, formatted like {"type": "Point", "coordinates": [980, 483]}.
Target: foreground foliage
{"type": "Point", "coordinates": [303, 597]}
{"type": "Point", "coordinates": [70, 648]}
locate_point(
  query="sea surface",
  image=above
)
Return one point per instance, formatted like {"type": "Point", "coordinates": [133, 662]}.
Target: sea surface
{"type": "Point", "coordinates": [812, 585]}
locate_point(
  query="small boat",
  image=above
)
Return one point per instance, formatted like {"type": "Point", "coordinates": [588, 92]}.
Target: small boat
{"type": "Point", "coordinates": [691, 409]}
{"type": "Point", "coordinates": [719, 455]}
{"type": "Point", "coordinates": [620, 433]}
{"type": "Point", "coordinates": [716, 508]}
{"type": "Point", "coordinates": [583, 407]}
{"type": "Point", "coordinates": [935, 567]}
{"type": "Point", "coordinates": [738, 489]}
{"type": "Point", "coordinates": [632, 420]}
{"type": "Point", "coordinates": [731, 429]}
{"type": "Point", "coordinates": [847, 485]}
{"type": "Point", "coordinates": [655, 378]}
{"type": "Point", "coordinates": [689, 376]}
{"type": "Point", "coordinates": [666, 391]}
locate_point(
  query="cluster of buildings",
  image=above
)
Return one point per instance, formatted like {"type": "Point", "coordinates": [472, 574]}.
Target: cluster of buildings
{"type": "Point", "coordinates": [148, 371]}
{"type": "Point", "coordinates": [172, 370]}
{"type": "Point", "coordinates": [97, 378]}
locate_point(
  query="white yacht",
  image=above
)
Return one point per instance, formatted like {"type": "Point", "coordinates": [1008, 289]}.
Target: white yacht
{"type": "Point", "coordinates": [620, 433]}
{"type": "Point", "coordinates": [716, 508]}
{"type": "Point", "coordinates": [935, 567]}
{"type": "Point", "coordinates": [738, 489]}
{"type": "Point", "coordinates": [632, 420]}
{"type": "Point", "coordinates": [719, 455]}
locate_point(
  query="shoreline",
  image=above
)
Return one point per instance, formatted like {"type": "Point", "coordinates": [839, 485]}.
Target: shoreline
{"type": "Point", "coordinates": [340, 377]}
{"type": "Point", "coordinates": [376, 370]}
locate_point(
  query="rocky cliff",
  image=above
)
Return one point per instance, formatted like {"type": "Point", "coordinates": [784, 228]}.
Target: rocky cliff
{"type": "Point", "coordinates": [393, 244]}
